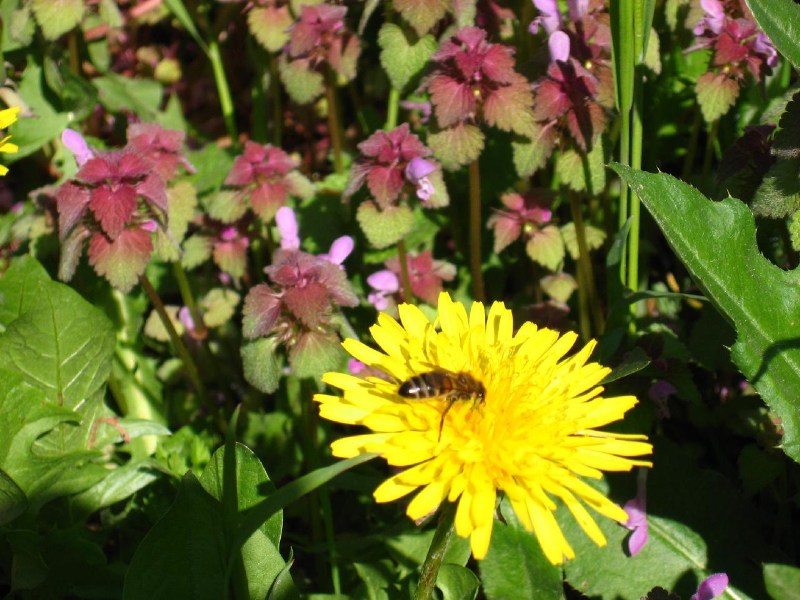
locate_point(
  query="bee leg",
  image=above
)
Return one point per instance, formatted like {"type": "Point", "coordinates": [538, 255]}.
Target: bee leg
{"type": "Point", "coordinates": [441, 421]}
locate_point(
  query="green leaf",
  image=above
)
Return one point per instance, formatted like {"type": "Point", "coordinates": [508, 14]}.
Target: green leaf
{"type": "Point", "coordinates": [253, 486]}
{"type": "Point", "coordinates": [218, 306]}
{"type": "Point", "coordinates": [18, 288]}
{"type": "Point", "coordinates": [121, 483]}
{"type": "Point", "coordinates": [402, 59]}
{"type": "Point", "coordinates": [778, 196]}
{"type": "Point", "coordinates": [716, 241]}
{"type": "Point", "coordinates": [530, 155]}
{"type": "Point", "coordinates": [581, 171]}
{"type": "Point", "coordinates": [716, 94]}
{"type": "Point", "coordinates": [262, 364]}
{"type": "Point", "coordinates": [12, 499]}
{"type": "Point", "coordinates": [515, 566]}
{"type": "Point", "coordinates": [197, 249]}
{"type": "Point", "coordinates": [384, 227]}
{"type": "Point", "coordinates": [698, 524]}
{"type": "Point", "coordinates": [302, 83]}
{"type": "Point", "coordinates": [316, 353]}
{"type": "Point", "coordinates": [594, 238]}
{"type": "Point", "coordinates": [780, 20]}
{"type": "Point", "coordinates": [546, 247]}
{"type": "Point", "coordinates": [181, 202]}
{"type": "Point", "coordinates": [183, 555]}
{"type": "Point", "coordinates": [422, 15]}
{"type": "Point", "coordinates": [60, 344]}
{"type": "Point", "coordinates": [559, 286]}
{"type": "Point", "coordinates": [141, 96]}
{"type": "Point", "coordinates": [57, 17]}
{"type": "Point", "coordinates": [269, 25]}
{"type": "Point", "coordinates": [457, 583]}
{"type": "Point", "coordinates": [782, 581]}
{"type": "Point", "coordinates": [457, 146]}
{"type": "Point", "coordinates": [213, 164]}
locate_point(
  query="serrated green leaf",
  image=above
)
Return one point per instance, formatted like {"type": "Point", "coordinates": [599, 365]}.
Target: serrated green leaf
{"type": "Point", "coordinates": [269, 25]}
{"type": "Point", "coordinates": [456, 146]}
{"type": "Point", "coordinates": [422, 15]}
{"type": "Point", "coordinates": [594, 238]}
{"type": "Point", "coordinates": [218, 306]}
{"type": "Point", "coordinates": [197, 249]}
{"type": "Point", "coordinates": [141, 96]}
{"type": "Point", "coordinates": [780, 20]}
{"type": "Point", "coordinates": [181, 202]}
{"type": "Point", "coordinates": [19, 287]}
{"type": "Point", "coordinates": [716, 241]}
{"type": "Point", "coordinates": [302, 83]}
{"type": "Point", "coordinates": [778, 196]}
{"type": "Point", "coordinates": [225, 205]}
{"type": "Point", "coordinates": [384, 227]}
{"type": "Point", "coordinates": [716, 94]}
{"type": "Point", "coordinates": [56, 17]}
{"type": "Point", "coordinates": [154, 326]}
{"type": "Point", "coordinates": [559, 286]}
{"type": "Point", "coordinates": [546, 247]}
{"type": "Point", "coordinates": [530, 155]}
{"type": "Point", "coordinates": [316, 353]}
{"type": "Point", "coordinates": [401, 58]}
{"type": "Point", "coordinates": [262, 364]}
{"type": "Point", "coordinates": [573, 166]}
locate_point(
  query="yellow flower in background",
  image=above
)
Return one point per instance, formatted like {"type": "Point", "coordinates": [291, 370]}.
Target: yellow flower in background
{"type": "Point", "coordinates": [531, 434]}
{"type": "Point", "coordinates": [7, 117]}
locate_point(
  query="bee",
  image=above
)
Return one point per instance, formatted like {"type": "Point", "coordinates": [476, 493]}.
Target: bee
{"type": "Point", "coordinates": [443, 384]}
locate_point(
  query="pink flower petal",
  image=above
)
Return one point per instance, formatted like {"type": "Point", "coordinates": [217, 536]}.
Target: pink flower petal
{"type": "Point", "coordinates": [558, 44]}
{"type": "Point", "coordinates": [340, 249]}
{"type": "Point", "coordinates": [287, 227]}
{"type": "Point", "coordinates": [711, 587]}
{"type": "Point", "coordinates": [76, 144]}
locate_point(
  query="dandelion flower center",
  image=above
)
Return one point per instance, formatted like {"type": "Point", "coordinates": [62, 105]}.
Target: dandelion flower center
{"type": "Point", "coordinates": [531, 434]}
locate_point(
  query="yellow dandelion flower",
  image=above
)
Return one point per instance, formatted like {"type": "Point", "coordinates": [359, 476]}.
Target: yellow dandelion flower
{"type": "Point", "coordinates": [531, 434]}
{"type": "Point", "coordinates": [7, 117]}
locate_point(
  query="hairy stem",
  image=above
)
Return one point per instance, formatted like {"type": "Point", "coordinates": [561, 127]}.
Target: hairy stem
{"type": "Point", "coordinates": [405, 278]}
{"type": "Point", "coordinates": [200, 330]}
{"type": "Point", "coordinates": [436, 552]}
{"type": "Point", "coordinates": [223, 90]}
{"type": "Point", "coordinates": [334, 125]}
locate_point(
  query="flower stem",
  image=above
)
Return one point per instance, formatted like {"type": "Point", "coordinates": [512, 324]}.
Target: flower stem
{"type": "Point", "coordinates": [200, 330]}
{"type": "Point", "coordinates": [711, 143]}
{"type": "Point", "coordinates": [224, 91]}
{"type": "Point", "coordinates": [475, 226]}
{"type": "Point", "coordinates": [334, 126]}
{"type": "Point", "coordinates": [587, 293]}
{"type": "Point", "coordinates": [635, 202]}
{"type": "Point", "coordinates": [436, 552]}
{"type": "Point", "coordinates": [392, 109]}
{"type": "Point", "coordinates": [691, 151]}
{"type": "Point", "coordinates": [405, 278]}
{"type": "Point", "coordinates": [277, 107]}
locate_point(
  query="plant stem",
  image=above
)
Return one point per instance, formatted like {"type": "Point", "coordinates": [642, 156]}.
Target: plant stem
{"type": "Point", "coordinates": [277, 107]}
{"type": "Point", "coordinates": [392, 109]}
{"type": "Point", "coordinates": [710, 143]}
{"type": "Point", "coordinates": [223, 90]}
{"type": "Point", "coordinates": [436, 552]}
{"type": "Point", "coordinates": [200, 330]}
{"type": "Point", "coordinates": [334, 127]}
{"type": "Point", "coordinates": [180, 348]}
{"type": "Point", "coordinates": [585, 279]}
{"type": "Point", "coordinates": [475, 226]}
{"type": "Point", "coordinates": [635, 202]}
{"type": "Point", "coordinates": [405, 278]}
{"type": "Point", "coordinates": [691, 151]}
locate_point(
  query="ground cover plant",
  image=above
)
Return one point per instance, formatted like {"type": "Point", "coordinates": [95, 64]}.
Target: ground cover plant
{"type": "Point", "coordinates": [357, 299]}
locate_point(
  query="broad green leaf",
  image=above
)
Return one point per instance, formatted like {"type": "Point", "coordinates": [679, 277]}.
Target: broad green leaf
{"type": "Point", "coordinates": [782, 581]}
{"type": "Point", "coordinates": [183, 555]}
{"type": "Point", "coordinates": [384, 227]}
{"type": "Point", "coordinates": [302, 83]}
{"type": "Point", "coordinates": [213, 164]}
{"type": "Point", "coordinates": [594, 238]}
{"type": "Point", "coordinates": [121, 483]}
{"type": "Point", "coordinates": [56, 17]}
{"type": "Point", "coordinates": [181, 202]}
{"type": "Point", "coordinates": [515, 566]}
{"type": "Point", "coordinates": [456, 146]}
{"type": "Point", "coordinates": [422, 14]}
{"type": "Point", "coordinates": [531, 154]}
{"type": "Point", "coordinates": [218, 306]}
{"type": "Point", "coordinates": [60, 343]}
{"type": "Point", "coordinates": [253, 485]}
{"type": "Point", "coordinates": [698, 524]}
{"type": "Point", "coordinates": [546, 247]}
{"type": "Point", "coordinates": [716, 241]}
{"type": "Point", "coordinates": [583, 171]}
{"type": "Point", "coordinates": [316, 353]}
{"type": "Point", "coordinates": [780, 20]}
{"type": "Point", "coordinates": [19, 287]}
{"type": "Point", "coordinates": [269, 25]}
{"type": "Point", "coordinates": [12, 499]}
{"type": "Point", "coordinates": [716, 94]}
{"type": "Point", "coordinates": [401, 58]}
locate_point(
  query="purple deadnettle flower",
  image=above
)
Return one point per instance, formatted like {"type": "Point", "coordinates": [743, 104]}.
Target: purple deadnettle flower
{"type": "Point", "coordinates": [425, 274]}
{"type": "Point", "coordinates": [522, 214]}
{"type": "Point", "coordinates": [287, 228]}
{"type": "Point", "coordinates": [637, 515]}
{"type": "Point", "coordinates": [76, 144]}
{"type": "Point", "coordinates": [417, 173]}
{"type": "Point", "coordinates": [163, 146]}
{"type": "Point", "coordinates": [711, 587]}
{"type": "Point", "coordinates": [340, 249]}
{"type": "Point", "coordinates": [558, 44]}
{"type": "Point", "coordinates": [549, 17]}
{"type": "Point", "coordinates": [385, 284]}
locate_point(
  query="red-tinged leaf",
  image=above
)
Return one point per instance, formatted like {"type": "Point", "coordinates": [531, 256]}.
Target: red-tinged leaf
{"type": "Point", "coordinates": [133, 166]}
{"type": "Point", "coordinates": [585, 123]}
{"type": "Point", "coordinates": [456, 146]}
{"type": "Point", "coordinates": [315, 353]}
{"type": "Point", "coordinates": [729, 51]}
{"type": "Point", "coordinates": [122, 261]}
{"type": "Point", "coordinates": [267, 198]}
{"type": "Point", "coordinates": [551, 101]}
{"type": "Point", "coordinates": [716, 95]}
{"type": "Point", "coordinates": [358, 172]}
{"type": "Point", "coordinates": [453, 100]}
{"type": "Point", "coordinates": [546, 247]}
{"type": "Point", "coordinates": [231, 257]}
{"type": "Point", "coordinates": [71, 250]}
{"type": "Point", "coordinates": [71, 202]}
{"type": "Point", "coordinates": [95, 170]}
{"type": "Point", "coordinates": [154, 190]}
{"type": "Point", "coordinates": [506, 230]}
{"type": "Point", "coordinates": [269, 26]}
{"type": "Point", "coordinates": [309, 303]}
{"type": "Point", "coordinates": [422, 15]}
{"type": "Point", "coordinates": [498, 64]}
{"type": "Point", "coordinates": [262, 307]}
{"type": "Point", "coordinates": [343, 56]}
{"type": "Point", "coordinates": [385, 183]}
{"type": "Point", "coordinates": [509, 108]}
{"type": "Point", "coordinates": [241, 173]}
{"type": "Point", "coordinates": [113, 209]}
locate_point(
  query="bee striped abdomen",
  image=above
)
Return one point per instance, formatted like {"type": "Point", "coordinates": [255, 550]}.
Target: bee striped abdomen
{"type": "Point", "coordinates": [438, 384]}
